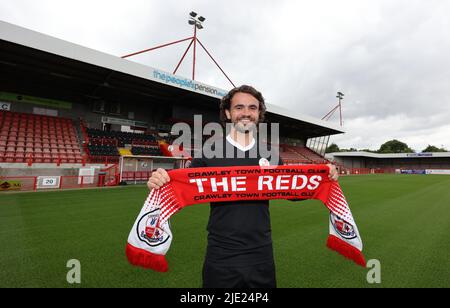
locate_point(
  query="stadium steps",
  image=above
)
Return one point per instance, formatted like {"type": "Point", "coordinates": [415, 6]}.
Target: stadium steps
{"type": "Point", "coordinates": [302, 155]}
{"type": "Point", "coordinates": [77, 125]}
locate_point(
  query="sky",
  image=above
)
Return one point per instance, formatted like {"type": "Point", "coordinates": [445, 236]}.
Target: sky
{"type": "Point", "coordinates": [390, 58]}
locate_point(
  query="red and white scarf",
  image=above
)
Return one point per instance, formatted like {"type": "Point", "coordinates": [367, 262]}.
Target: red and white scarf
{"type": "Point", "coordinates": [150, 237]}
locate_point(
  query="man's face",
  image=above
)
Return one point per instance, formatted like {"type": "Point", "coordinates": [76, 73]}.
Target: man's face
{"type": "Point", "coordinates": [244, 112]}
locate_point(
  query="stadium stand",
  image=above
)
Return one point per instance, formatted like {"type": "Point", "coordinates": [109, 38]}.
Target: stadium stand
{"type": "Point", "coordinates": [119, 139]}
{"type": "Point", "coordinates": [38, 138]}
{"type": "Point", "coordinates": [300, 155]}
{"type": "Point", "coordinates": [311, 155]}
{"type": "Point", "coordinates": [109, 145]}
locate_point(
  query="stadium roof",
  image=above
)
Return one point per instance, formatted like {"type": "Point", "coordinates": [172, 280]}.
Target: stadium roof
{"type": "Point", "coordinates": [52, 66]}
{"type": "Point", "coordinates": [393, 155]}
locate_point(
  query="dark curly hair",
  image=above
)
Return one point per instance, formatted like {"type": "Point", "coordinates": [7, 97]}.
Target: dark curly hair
{"type": "Point", "coordinates": [225, 102]}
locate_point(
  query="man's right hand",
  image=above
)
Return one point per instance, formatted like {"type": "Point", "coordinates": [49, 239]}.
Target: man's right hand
{"type": "Point", "coordinates": [158, 179]}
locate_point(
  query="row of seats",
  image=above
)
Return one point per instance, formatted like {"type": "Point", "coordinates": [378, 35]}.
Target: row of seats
{"type": "Point", "coordinates": [40, 158]}
{"type": "Point", "coordinates": [29, 123]}
{"type": "Point", "coordinates": [301, 155]}
{"type": "Point", "coordinates": [104, 144]}
{"type": "Point", "coordinates": [103, 141]}
{"type": "Point", "coordinates": [151, 151]}
{"type": "Point", "coordinates": [311, 155]}
{"type": "Point", "coordinates": [103, 150]}
{"type": "Point", "coordinates": [38, 145]}
{"type": "Point", "coordinates": [39, 139]}
{"type": "Point", "coordinates": [40, 150]}
{"type": "Point", "coordinates": [30, 117]}
{"type": "Point", "coordinates": [289, 157]}
{"type": "Point", "coordinates": [122, 138]}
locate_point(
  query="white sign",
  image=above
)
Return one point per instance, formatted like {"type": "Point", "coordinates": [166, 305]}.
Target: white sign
{"type": "Point", "coordinates": [437, 171]}
{"type": "Point", "coordinates": [187, 84]}
{"type": "Point", "coordinates": [124, 122]}
{"type": "Point", "coordinates": [86, 175]}
{"type": "Point", "coordinates": [48, 182]}
{"type": "Point", "coordinates": [5, 106]}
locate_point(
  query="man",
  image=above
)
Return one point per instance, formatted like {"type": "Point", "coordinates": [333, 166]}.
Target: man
{"type": "Point", "coordinates": [239, 252]}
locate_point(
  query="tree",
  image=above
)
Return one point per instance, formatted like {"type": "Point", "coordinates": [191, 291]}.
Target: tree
{"type": "Point", "coordinates": [395, 146]}
{"type": "Point", "coordinates": [432, 148]}
{"type": "Point", "coordinates": [349, 150]}
{"type": "Point", "coordinates": [368, 150]}
{"type": "Point", "coordinates": [332, 148]}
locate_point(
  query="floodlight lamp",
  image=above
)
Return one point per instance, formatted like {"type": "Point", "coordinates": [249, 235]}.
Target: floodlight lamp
{"type": "Point", "coordinates": [191, 22]}
{"type": "Point", "coordinates": [199, 26]}
{"type": "Point", "coordinates": [201, 19]}
{"type": "Point", "coordinates": [193, 14]}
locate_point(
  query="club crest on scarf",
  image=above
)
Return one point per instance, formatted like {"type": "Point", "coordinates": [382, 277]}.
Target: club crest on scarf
{"type": "Point", "coordinates": [149, 230]}
{"type": "Point", "coordinates": [342, 227]}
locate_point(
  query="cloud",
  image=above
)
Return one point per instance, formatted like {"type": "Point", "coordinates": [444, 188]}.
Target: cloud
{"type": "Point", "coordinates": [371, 132]}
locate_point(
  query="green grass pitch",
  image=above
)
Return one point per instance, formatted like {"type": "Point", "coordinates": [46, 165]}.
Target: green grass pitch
{"type": "Point", "coordinates": [404, 221]}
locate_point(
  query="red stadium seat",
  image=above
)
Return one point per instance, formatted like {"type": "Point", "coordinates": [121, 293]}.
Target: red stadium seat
{"type": "Point", "coordinates": [9, 157]}
{"type": "Point", "coordinates": [19, 158]}
{"type": "Point", "coordinates": [45, 138]}
{"type": "Point", "coordinates": [47, 158]}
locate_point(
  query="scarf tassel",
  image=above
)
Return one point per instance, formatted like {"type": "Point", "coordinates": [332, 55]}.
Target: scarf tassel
{"type": "Point", "coordinates": [345, 249]}
{"type": "Point", "coordinates": [146, 259]}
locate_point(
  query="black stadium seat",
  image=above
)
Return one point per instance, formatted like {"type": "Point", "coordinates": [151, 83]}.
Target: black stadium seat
{"type": "Point", "coordinates": [148, 151]}
{"type": "Point", "coordinates": [119, 139]}
{"type": "Point", "coordinates": [103, 150]}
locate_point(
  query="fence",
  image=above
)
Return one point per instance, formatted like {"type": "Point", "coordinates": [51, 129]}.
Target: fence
{"type": "Point", "coordinates": [35, 183]}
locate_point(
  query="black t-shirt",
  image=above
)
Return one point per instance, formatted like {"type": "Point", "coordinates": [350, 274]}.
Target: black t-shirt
{"type": "Point", "coordinates": [239, 232]}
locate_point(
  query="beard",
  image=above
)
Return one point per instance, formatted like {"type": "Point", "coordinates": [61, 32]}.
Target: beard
{"type": "Point", "coordinates": [251, 126]}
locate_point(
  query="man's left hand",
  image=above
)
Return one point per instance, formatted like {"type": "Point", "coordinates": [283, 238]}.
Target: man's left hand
{"type": "Point", "coordinates": [334, 174]}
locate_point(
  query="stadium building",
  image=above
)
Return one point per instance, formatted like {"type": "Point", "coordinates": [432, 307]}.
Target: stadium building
{"type": "Point", "coordinates": [366, 162]}
{"type": "Point", "coordinates": [69, 113]}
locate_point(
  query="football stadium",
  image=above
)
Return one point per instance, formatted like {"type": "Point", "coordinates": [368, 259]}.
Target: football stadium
{"type": "Point", "coordinates": [82, 131]}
